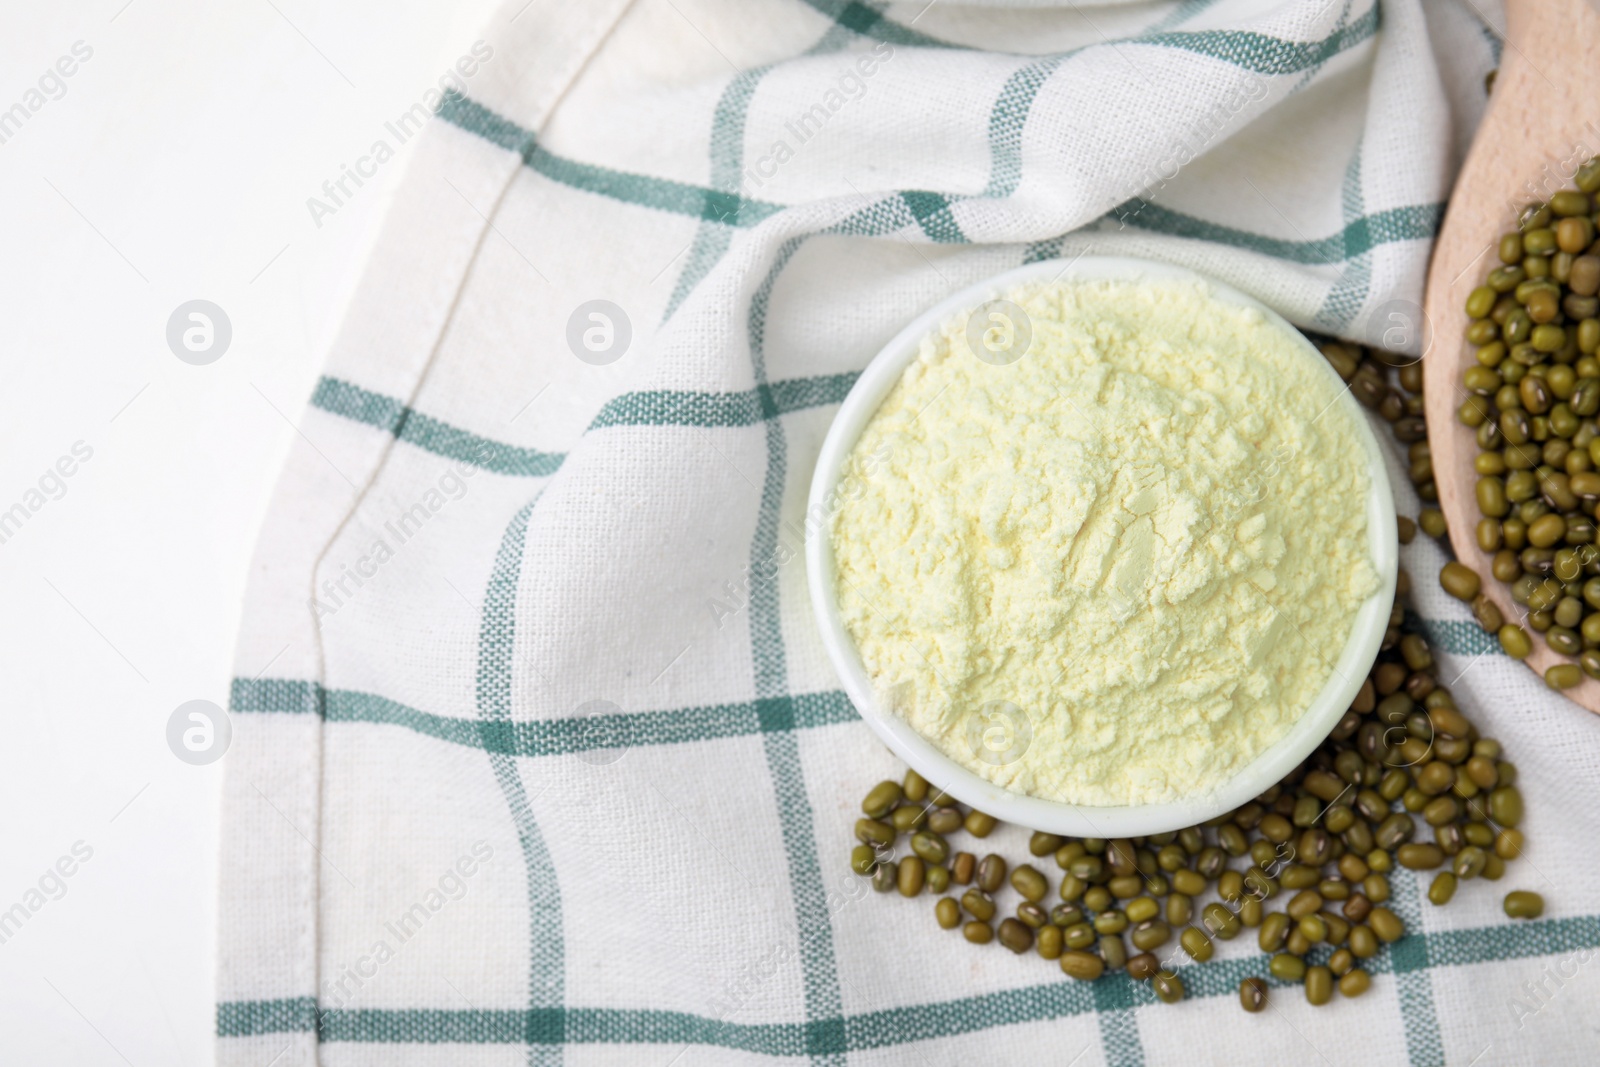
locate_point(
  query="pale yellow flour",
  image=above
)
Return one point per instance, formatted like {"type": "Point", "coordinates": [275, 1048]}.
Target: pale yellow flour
{"type": "Point", "coordinates": [1143, 543]}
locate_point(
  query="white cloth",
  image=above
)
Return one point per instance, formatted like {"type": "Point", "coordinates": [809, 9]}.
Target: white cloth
{"type": "Point", "coordinates": [536, 755]}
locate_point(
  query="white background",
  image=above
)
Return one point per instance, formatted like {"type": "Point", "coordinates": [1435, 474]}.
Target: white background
{"type": "Point", "coordinates": [176, 166]}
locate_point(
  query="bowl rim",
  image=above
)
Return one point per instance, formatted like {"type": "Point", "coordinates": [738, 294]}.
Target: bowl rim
{"type": "Point", "coordinates": [1038, 813]}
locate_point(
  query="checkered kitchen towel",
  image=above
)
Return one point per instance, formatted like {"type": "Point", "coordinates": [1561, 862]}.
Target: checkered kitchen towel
{"type": "Point", "coordinates": [536, 755]}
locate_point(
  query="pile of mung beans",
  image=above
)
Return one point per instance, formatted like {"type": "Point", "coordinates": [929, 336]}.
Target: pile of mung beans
{"type": "Point", "coordinates": [1532, 397]}
{"type": "Point", "coordinates": [1313, 853]}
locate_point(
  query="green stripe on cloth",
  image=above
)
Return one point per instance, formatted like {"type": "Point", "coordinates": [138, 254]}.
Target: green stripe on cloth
{"type": "Point", "coordinates": [794, 394]}
{"type": "Point", "coordinates": [1511, 941]}
{"type": "Point", "coordinates": [665, 195]}
{"type": "Point", "coordinates": [1057, 999]}
{"type": "Point", "coordinates": [642, 190]}
{"type": "Point", "coordinates": [1015, 102]}
{"type": "Point", "coordinates": [350, 401]}
{"type": "Point", "coordinates": [1349, 293]}
{"type": "Point", "coordinates": [497, 638]}
{"type": "Point", "coordinates": [1262, 54]}
{"type": "Point", "coordinates": [1250, 51]}
{"type": "Point", "coordinates": [711, 240]}
{"type": "Point", "coordinates": [548, 737]}
{"type": "Point", "coordinates": [1454, 636]}
{"type": "Point", "coordinates": [1496, 43]}
{"type": "Point", "coordinates": [1359, 236]}
{"type": "Point", "coordinates": [283, 696]}
{"type": "Point", "coordinates": [246, 1018]}
{"type": "Point", "coordinates": [825, 1041]}
{"type": "Point", "coordinates": [1418, 222]}
{"type": "Point", "coordinates": [464, 447]}
{"type": "Point", "coordinates": [555, 737]}
{"type": "Point", "coordinates": [1049, 248]}
{"type": "Point", "coordinates": [675, 407]}
{"type": "Point", "coordinates": [1313, 69]}
{"type": "Point", "coordinates": [1409, 959]}
{"type": "Point", "coordinates": [658, 407]}
{"type": "Point", "coordinates": [920, 1022]}
{"type": "Point", "coordinates": [932, 212]}
{"type": "Point", "coordinates": [868, 21]}
{"type": "Point", "coordinates": [1007, 119]}
{"type": "Point", "coordinates": [1119, 1025]}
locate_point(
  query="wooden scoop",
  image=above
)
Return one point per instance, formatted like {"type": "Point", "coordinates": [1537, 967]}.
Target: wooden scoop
{"type": "Point", "coordinates": [1541, 124]}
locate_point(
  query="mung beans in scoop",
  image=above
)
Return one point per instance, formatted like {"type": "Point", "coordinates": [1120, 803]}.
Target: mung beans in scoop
{"type": "Point", "coordinates": [1533, 395]}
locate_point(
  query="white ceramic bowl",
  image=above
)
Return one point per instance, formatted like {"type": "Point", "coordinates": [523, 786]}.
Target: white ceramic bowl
{"type": "Point", "coordinates": [1036, 813]}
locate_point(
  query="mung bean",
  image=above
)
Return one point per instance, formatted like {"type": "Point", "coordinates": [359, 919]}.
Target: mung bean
{"type": "Point", "coordinates": [1220, 921]}
{"type": "Point", "coordinates": [991, 873]}
{"type": "Point", "coordinates": [1084, 966]}
{"type": "Point", "coordinates": [978, 904]}
{"type": "Point", "coordinates": [1015, 935]}
{"type": "Point", "coordinates": [1168, 986]}
{"type": "Point", "coordinates": [911, 876]}
{"type": "Point", "coordinates": [1443, 888]}
{"type": "Point", "coordinates": [881, 799]}
{"type": "Point", "coordinates": [1289, 967]}
{"type": "Point", "coordinates": [1319, 985]}
{"type": "Point", "coordinates": [1195, 943]}
{"type": "Point", "coordinates": [1523, 904]}
{"type": "Point", "coordinates": [1252, 994]}
{"type": "Point", "coordinates": [930, 846]}
{"type": "Point", "coordinates": [1354, 983]}
{"type": "Point", "coordinates": [886, 876]}
{"type": "Point", "coordinates": [863, 859]}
